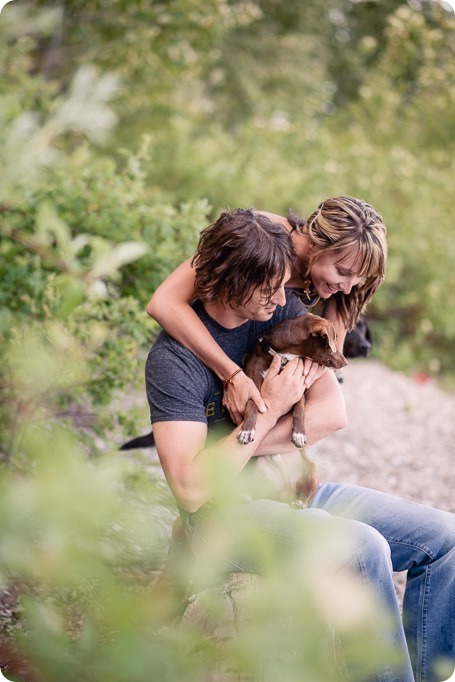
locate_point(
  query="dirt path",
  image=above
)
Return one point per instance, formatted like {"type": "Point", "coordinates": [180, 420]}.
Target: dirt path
{"type": "Point", "coordinates": [400, 437]}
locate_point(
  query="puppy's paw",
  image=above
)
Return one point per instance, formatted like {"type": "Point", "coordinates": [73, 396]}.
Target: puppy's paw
{"type": "Point", "coordinates": [246, 437]}
{"type": "Point", "coordinates": [298, 439]}
{"type": "Point", "coordinates": [297, 504]}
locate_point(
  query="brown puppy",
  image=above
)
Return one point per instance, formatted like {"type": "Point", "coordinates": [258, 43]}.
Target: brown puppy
{"type": "Point", "coordinates": [308, 336]}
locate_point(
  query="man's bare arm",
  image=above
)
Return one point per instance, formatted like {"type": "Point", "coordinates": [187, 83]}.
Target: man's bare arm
{"type": "Point", "coordinates": [185, 457]}
{"type": "Point", "coordinates": [187, 461]}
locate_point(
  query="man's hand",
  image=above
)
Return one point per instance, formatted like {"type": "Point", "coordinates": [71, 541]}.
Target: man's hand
{"type": "Point", "coordinates": [282, 389]}
{"type": "Point", "coordinates": [238, 392]}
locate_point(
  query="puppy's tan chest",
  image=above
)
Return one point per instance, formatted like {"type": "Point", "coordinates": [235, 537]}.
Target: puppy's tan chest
{"type": "Point", "coordinates": [284, 358]}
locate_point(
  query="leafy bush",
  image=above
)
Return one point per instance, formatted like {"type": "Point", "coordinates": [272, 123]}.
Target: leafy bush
{"type": "Point", "coordinates": [83, 540]}
{"type": "Point", "coordinates": [392, 145]}
{"type": "Point", "coordinates": [87, 235]}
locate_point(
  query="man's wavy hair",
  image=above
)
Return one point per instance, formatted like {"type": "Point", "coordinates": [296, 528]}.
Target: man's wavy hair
{"type": "Point", "coordinates": [238, 253]}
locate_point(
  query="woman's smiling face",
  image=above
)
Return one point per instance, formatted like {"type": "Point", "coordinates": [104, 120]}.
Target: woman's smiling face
{"type": "Point", "coordinates": [335, 271]}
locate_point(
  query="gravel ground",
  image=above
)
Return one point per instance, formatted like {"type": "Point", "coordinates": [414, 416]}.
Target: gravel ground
{"type": "Point", "coordinates": [400, 437]}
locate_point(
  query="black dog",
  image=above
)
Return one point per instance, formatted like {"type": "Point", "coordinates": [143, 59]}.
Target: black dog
{"type": "Point", "coordinates": [358, 342]}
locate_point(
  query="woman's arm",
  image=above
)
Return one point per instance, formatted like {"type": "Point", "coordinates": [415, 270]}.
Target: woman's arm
{"type": "Point", "coordinates": [170, 307]}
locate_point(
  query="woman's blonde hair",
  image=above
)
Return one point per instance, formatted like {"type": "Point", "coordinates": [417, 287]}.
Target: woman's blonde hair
{"type": "Point", "coordinates": [348, 224]}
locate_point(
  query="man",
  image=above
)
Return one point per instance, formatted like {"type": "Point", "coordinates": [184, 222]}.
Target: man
{"type": "Point", "coordinates": [242, 264]}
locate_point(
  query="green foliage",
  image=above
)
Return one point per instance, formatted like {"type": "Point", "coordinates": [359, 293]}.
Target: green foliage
{"type": "Point", "coordinates": [265, 105]}
{"type": "Point", "coordinates": [73, 224]}
{"type": "Point", "coordinates": [217, 103]}
{"type": "Point", "coordinates": [83, 538]}
{"type": "Point", "coordinates": [393, 146]}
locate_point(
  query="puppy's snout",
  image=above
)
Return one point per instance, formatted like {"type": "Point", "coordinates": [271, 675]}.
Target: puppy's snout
{"type": "Point", "coordinates": [337, 361]}
{"type": "Point", "coordinates": [364, 349]}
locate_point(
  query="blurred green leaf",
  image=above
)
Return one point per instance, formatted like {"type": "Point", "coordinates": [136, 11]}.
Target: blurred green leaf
{"type": "Point", "coordinates": [111, 260]}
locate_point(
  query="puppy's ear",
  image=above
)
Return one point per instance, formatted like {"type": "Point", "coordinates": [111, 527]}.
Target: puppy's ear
{"type": "Point", "coordinates": [327, 338]}
{"type": "Point", "coordinates": [331, 338]}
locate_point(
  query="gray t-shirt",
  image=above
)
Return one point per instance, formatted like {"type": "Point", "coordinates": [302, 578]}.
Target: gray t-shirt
{"type": "Point", "coordinates": [181, 388]}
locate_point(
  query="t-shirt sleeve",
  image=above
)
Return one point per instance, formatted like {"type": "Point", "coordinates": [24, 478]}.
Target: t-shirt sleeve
{"type": "Point", "coordinates": [176, 384]}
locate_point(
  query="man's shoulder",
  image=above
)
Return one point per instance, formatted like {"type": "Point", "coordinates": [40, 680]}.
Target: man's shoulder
{"type": "Point", "coordinates": [165, 343]}
{"type": "Point", "coordinates": [166, 348]}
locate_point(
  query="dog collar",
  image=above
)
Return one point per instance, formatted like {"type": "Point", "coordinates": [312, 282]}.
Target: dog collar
{"type": "Point", "coordinates": [284, 357]}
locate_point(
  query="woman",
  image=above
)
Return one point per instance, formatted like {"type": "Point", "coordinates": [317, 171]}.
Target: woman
{"type": "Point", "coordinates": [341, 253]}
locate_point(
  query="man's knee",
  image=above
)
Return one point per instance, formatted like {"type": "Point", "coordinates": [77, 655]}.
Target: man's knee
{"type": "Point", "coordinates": [441, 536]}
{"type": "Point", "coordinates": [372, 549]}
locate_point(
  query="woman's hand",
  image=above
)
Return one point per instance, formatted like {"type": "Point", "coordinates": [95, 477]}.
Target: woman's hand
{"type": "Point", "coordinates": [236, 395]}
{"type": "Point", "coordinates": [312, 371]}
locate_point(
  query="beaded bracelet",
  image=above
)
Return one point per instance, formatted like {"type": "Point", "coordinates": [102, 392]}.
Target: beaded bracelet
{"type": "Point", "coordinates": [229, 379]}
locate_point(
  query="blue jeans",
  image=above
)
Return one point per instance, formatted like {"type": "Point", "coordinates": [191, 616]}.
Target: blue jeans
{"type": "Point", "coordinates": [391, 534]}
{"type": "Point", "coordinates": [421, 540]}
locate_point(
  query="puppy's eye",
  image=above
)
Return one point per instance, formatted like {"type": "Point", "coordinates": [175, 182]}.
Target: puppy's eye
{"type": "Point", "coordinates": [320, 337]}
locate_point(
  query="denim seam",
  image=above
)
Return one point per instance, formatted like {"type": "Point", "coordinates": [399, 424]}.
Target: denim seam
{"type": "Point", "coordinates": [424, 623]}
{"type": "Point", "coordinates": [416, 545]}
